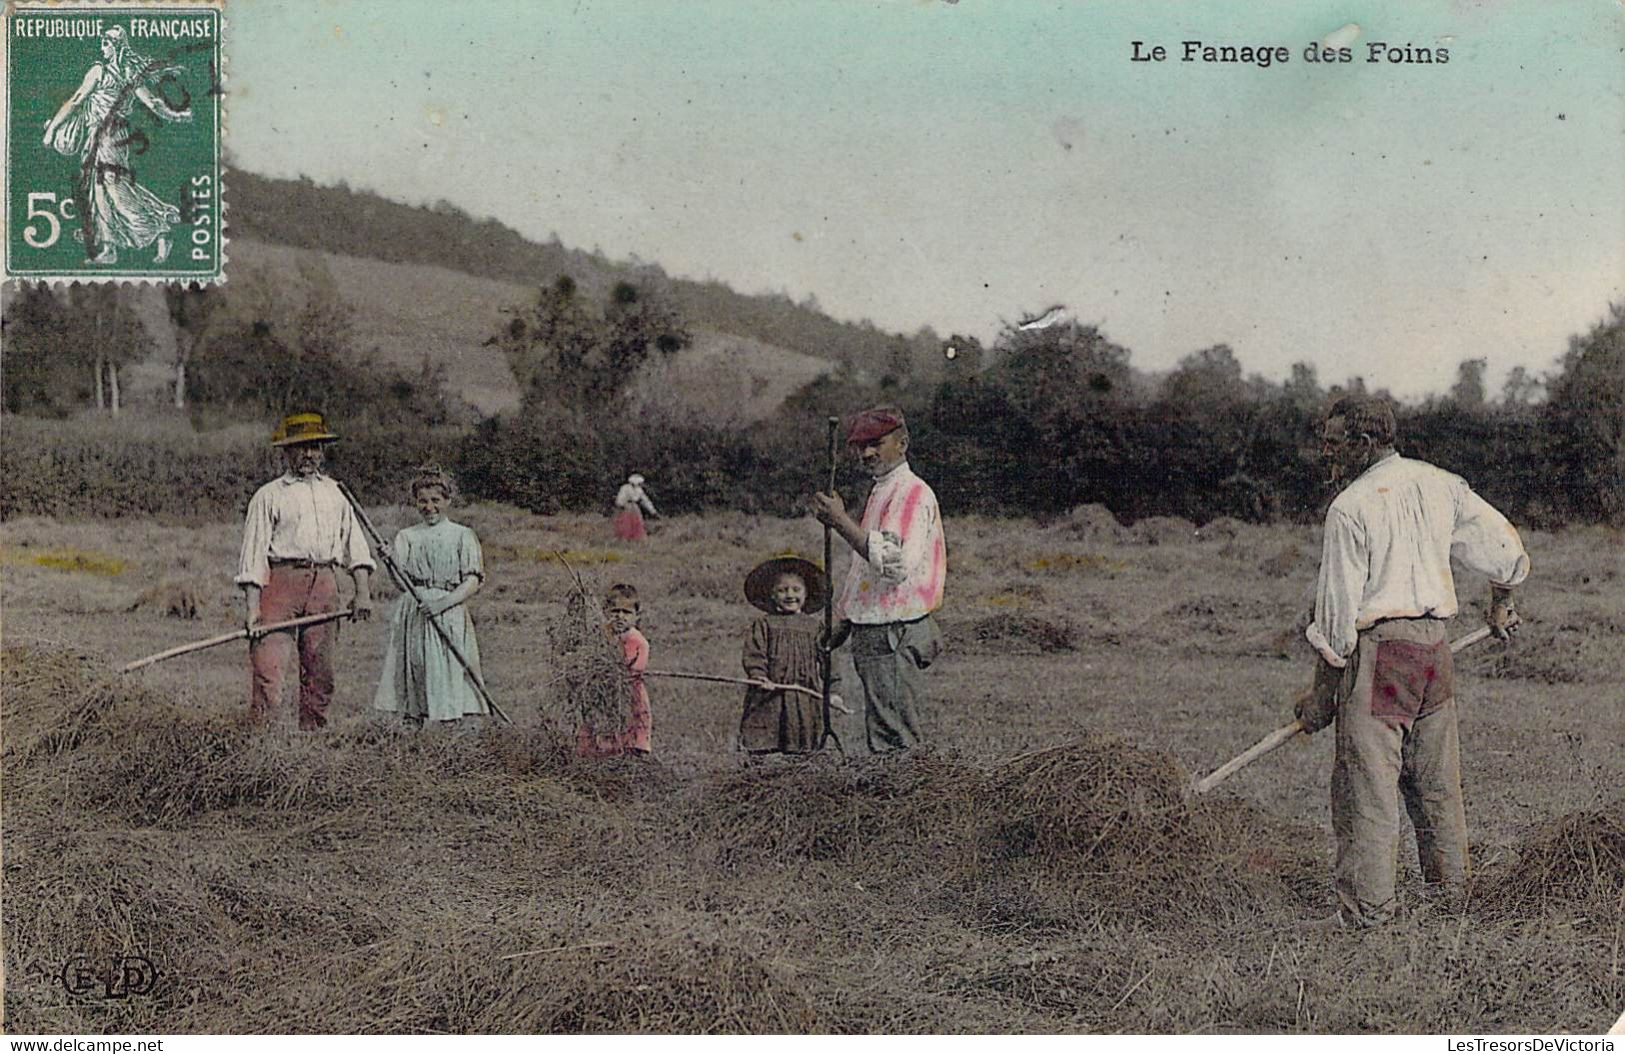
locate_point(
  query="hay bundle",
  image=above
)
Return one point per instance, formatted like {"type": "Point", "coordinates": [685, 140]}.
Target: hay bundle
{"type": "Point", "coordinates": [171, 598]}
{"type": "Point", "coordinates": [1575, 861]}
{"type": "Point", "coordinates": [1163, 530]}
{"type": "Point", "coordinates": [888, 814]}
{"type": "Point", "coordinates": [1094, 798]}
{"type": "Point", "coordinates": [1579, 649]}
{"type": "Point", "coordinates": [1094, 523]}
{"type": "Point", "coordinates": [1220, 529]}
{"type": "Point", "coordinates": [1283, 562]}
{"type": "Point", "coordinates": [647, 981]}
{"type": "Point", "coordinates": [1117, 826]}
{"type": "Point", "coordinates": [166, 765]}
{"type": "Point", "coordinates": [1010, 633]}
{"type": "Point", "coordinates": [777, 810]}
{"type": "Point", "coordinates": [589, 684]}
{"type": "Point", "coordinates": [54, 697]}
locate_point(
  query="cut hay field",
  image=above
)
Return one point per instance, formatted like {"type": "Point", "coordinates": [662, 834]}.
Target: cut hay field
{"type": "Point", "coordinates": [1041, 869]}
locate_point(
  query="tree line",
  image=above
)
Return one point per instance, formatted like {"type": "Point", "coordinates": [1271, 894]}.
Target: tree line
{"type": "Point", "coordinates": [1037, 422]}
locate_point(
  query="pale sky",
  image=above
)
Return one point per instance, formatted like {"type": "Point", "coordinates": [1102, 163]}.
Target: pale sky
{"type": "Point", "coordinates": [921, 162]}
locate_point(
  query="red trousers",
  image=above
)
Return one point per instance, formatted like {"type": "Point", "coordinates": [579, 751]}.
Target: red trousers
{"type": "Point", "coordinates": [294, 591]}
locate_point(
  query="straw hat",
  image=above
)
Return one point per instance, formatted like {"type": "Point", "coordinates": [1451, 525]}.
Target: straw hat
{"type": "Point", "coordinates": [635, 479]}
{"type": "Point", "coordinates": [759, 583]}
{"type": "Point", "coordinates": [301, 428]}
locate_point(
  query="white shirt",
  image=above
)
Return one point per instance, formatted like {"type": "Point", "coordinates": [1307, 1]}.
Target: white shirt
{"type": "Point", "coordinates": [908, 557]}
{"type": "Point", "coordinates": [295, 518]}
{"type": "Point", "coordinates": [1390, 537]}
{"type": "Point", "coordinates": [632, 494]}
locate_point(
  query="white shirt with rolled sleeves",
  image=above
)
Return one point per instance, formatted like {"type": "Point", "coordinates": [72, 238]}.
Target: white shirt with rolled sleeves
{"type": "Point", "coordinates": [1390, 537]}
{"type": "Point", "coordinates": [294, 518]}
{"type": "Point", "coordinates": [632, 494]}
{"type": "Point", "coordinates": [903, 578]}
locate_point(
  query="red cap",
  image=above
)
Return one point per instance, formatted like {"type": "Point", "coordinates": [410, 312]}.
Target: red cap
{"type": "Point", "coordinates": [872, 424]}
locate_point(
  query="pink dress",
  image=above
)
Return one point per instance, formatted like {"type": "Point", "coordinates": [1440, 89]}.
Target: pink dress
{"type": "Point", "coordinates": [636, 737]}
{"type": "Point", "coordinates": [628, 524]}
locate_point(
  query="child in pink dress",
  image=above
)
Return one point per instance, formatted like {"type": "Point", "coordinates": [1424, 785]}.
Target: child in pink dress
{"type": "Point", "coordinates": [621, 608]}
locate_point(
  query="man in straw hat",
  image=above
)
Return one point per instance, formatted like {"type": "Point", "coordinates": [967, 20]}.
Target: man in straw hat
{"type": "Point", "coordinates": [1384, 672]}
{"type": "Point", "coordinates": [299, 529]}
{"type": "Point", "coordinates": [894, 582]}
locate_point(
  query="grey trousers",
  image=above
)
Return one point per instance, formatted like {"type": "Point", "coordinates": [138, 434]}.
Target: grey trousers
{"type": "Point", "coordinates": [890, 660]}
{"type": "Point", "coordinates": [1397, 737]}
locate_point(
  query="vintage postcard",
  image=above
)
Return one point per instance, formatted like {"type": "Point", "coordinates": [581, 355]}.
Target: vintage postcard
{"type": "Point", "coordinates": [113, 148]}
{"type": "Point", "coordinates": [852, 517]}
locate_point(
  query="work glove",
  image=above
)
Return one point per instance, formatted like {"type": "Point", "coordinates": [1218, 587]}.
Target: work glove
{"type": "Point", "coordinates": [843, 630]}
{"type": "Point", "coordinates": [1502, 616]}
{"type": "Point", "coordinates": [1316, 708]}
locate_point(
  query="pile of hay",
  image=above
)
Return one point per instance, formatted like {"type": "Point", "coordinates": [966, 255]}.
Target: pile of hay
{"type": "Point", "coordinates": [1220, 529]}
{"type": "Point", "coordinates": [1012, 633]}
{"type": "Point", "coordinates": [881, 814]}
{"type": "Point", "coordinates": [1094, 523]}
{"type": "Point", "coordinates": [589, 683]}
{"type": "Point", "coordinates": [1575, 862]}
{"type": "Point", "coordinates": [1579, 649]}
{"type": "Point", "coordinates": [1119, 826]}
{"type": "Point", "coordinates": [1096, 824]}
{"type": "Point", "coordinates": [1163, 530]}
{"type": "Point", "coordinates": [54, 698]}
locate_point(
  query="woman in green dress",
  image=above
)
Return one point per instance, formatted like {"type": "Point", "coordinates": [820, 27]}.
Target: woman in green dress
{"type": "Point", "coordinates": [422, 679]}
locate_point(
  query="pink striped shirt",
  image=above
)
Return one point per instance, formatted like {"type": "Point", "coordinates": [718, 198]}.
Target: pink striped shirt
{"type": "Point", "coordinates": [908, 557]}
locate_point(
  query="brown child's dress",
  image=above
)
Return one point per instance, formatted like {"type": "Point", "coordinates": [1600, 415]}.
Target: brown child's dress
{"type": "Point", "coordinates": [783, 649]}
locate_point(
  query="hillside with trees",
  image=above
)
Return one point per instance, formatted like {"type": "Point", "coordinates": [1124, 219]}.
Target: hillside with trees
{"type": "Point", "coordinates": [392, 317]}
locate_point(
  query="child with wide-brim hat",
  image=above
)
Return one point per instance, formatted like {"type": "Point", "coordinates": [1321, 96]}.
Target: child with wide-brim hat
{"type": "Point", "coordinates": [781, 648]}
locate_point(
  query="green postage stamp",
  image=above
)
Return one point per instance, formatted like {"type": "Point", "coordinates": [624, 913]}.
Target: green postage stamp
{"type": "Point", "coordinates": [112, 135]}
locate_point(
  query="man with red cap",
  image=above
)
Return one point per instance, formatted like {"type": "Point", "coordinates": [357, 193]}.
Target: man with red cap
{"type": "Point", "coordinates": [299, 529]}
{"type": "Point", "coordinates": [894, 583]}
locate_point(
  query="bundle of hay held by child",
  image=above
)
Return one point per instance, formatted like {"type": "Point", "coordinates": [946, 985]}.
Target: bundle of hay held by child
{"type": "Point", "coordinates": [589, 683]}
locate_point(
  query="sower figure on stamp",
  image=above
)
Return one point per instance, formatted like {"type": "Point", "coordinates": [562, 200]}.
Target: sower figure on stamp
{"type": "Point", "coordinates": [299, 531]}
{"type": "Point", "coordinates": [95, 123]}
{"type": "Point", "coordinates": [894, 583]}
{"type": "Point", "coordinates": [1384, 672]}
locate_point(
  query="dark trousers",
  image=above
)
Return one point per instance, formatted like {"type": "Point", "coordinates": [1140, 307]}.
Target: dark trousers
{"type": "Point", "coordinates": [890, 660]}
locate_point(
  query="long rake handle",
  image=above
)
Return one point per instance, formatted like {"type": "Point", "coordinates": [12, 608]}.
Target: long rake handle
{"type": "Point", "coordinates": [1287, 733]}
{"type": "Point", "coordinates": [226, 638]}
{"type": "Point", "coordinates": [829, 599]}
{"type": "Point", "coordinates": [411, 591]}
{"type": "Point", "coordinates": [747, 682]}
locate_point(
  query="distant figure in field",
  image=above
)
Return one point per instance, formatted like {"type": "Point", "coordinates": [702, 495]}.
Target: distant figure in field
{"type": "Point", "coordinates": [630, 505]}
{"type": "Point", "coordinates": [894, 583]}
{"type": "Point", "coordinates": [781, 648]}
{"type": "Point", "coordinates": [1385, 673]}
{"type": "Point", "coordinates": [422, 680]}
{"type": "Point", "coordinates": [622, 610]}
{"type": "Point", "coordinates": [299, 530]}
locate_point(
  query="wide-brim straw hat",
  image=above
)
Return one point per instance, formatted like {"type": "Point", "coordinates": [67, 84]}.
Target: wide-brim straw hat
{"type": "Point", "coordinates": [759, 583]}
{"type": "Point", "coordinates": [301, 428]}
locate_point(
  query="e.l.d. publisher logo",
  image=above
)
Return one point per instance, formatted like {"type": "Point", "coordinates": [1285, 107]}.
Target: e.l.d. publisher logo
{"type": "Point", "coordinates": [112, 977]}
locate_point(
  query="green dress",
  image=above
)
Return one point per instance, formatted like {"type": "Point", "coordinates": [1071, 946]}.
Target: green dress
{"type": "Point", "coordinates": [421, 677]}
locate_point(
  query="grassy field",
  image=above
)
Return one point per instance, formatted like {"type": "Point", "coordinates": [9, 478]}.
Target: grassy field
{"type": "Point", "coordinates": [1040, 869]}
